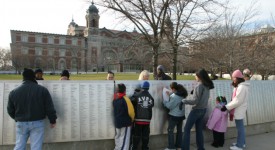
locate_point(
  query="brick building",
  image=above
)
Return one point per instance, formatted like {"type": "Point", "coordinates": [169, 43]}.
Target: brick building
{"type": "Point", "coordinates": [84, 48]}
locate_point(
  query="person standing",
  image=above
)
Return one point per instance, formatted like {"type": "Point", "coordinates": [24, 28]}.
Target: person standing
{"type": "Point", "coordinates": [237, 107]}
{"type": "Point", "coordinates": [161, 74]}
{"type": "Point", "coordinates": [200, 101]}
{"type": "Point", "coordinates": [217, 122]}
{"type": "Point", "coordinates": [28, 105]}
{"type": "Point", "coordinates": [246, 74]}
{"type": "Point", "coordinates": [65, 75]}
{"type": "Point", "coordinates": [110, 76]}
{"type": "Point", "coordinates": [38, 74]}
{"type": "Point", "coordinates": [144, 75]}
{"type": "Point", "coordinates": [143, 103]}
{"type": "Point", "coordinates": [176, 115]}
{"type": "Point", "coordinates": [124, 115]}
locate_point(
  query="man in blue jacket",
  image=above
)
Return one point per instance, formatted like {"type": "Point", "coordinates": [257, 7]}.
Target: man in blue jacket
{"type": "Point", "coordinates": [28, 105]}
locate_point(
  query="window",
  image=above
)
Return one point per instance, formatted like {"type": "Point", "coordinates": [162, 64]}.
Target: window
{"type": "Point", "coordinates": [38, 51]}
{"type": "Point", "coordinates": [24, 38]}
{"type": "Point", "coordinates": [62, 41]}
{"type": "Point", "coordinates": [50, 40]}
{"type": "Point", "coordinates": [24, 50]}
{"type": "Point", "coordinates": [38, 38]}
{"type": "Point", "coordinates": [50, 52]}
{"type": "Point", "coordinates": [74, 53]}
{"type": "Point", "coordinates": [62, 52]}
{"type": "Point", "coordinates": [74, 41]}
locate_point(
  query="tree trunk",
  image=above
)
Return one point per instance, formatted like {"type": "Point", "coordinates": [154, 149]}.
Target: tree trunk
{"type": "Point", "coordinates": [175, 54]}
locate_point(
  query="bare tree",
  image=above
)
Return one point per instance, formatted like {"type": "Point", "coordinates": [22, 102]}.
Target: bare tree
{"type": "Point", "coordinates": [148, 17]}
{"type": "Point", "coordinates": [5, 59]}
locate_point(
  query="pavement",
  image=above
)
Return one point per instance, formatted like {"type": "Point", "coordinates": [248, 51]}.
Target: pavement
{"type": "Point", "coordinates": [265, 141]}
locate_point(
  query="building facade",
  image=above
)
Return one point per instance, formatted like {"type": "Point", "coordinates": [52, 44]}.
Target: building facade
{"type": "Point", "coordinates": [84, 49]}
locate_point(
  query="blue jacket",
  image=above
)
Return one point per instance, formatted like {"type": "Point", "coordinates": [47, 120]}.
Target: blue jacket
{"type": "Point", "coordinates": [173, 105]}
{"type": "Point", "coordinates": [123, 112]}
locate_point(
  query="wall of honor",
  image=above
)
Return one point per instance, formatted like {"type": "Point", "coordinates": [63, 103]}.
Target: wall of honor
{"type": "Point", "coordinates": [84, 108]}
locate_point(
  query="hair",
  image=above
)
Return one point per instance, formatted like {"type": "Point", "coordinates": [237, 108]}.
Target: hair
{"type": "Point", "coordinates": [181, 91]}
{"type": "Point", "coordinates": [121, 88]}
{"type": "Point", "coordinates": [110, 72]}
{"type": "Point", "coordinates": [142, 74]}
{"type": "Point", "coordinates": [221, 99]}
{"type": "Point", "coordinates": [174, 85]}
{"type": "Point", "coordinates": [203, 76]}
{"type": "Point", "coordinates": [65, 73]}
{"type": "Point", "coordinates": [238, 81]}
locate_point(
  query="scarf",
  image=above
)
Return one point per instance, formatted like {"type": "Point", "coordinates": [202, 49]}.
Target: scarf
{"type": "Point", "coordinates": [231, 112]}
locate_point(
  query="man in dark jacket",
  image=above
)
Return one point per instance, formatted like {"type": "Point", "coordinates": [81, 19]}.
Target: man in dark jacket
{"type": "Point", "coordinates": [143, 103]}
{"type": "Point", "coordinates": [161, 74]}
{"type": "Point", "coordinates": [28, 105]}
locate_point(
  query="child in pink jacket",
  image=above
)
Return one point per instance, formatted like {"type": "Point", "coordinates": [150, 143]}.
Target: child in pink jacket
{"type": "Point", "coordinates": [217, 122]}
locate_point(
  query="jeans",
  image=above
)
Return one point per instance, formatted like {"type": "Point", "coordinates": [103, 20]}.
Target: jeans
{"type": "Point", "coordinates": [173, 122]}
{"type": "Point", "coordinates": [241, 133]}
{"type": "Point", "coordinates": [195, 117]}
{"type": "Point", "coordinates": [32, 129]}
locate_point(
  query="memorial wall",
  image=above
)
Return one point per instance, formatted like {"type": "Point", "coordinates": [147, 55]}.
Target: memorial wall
{"type": "Point", "coordinates": [84, 108]}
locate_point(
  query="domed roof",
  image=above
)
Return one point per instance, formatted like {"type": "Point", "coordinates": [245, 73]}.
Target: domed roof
{"type": "Point", "coordinates": [73, 23]}
{"type": "Point", "coordinates": [93, 8]}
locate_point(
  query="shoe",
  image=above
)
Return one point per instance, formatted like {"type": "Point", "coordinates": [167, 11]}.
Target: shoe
{"type": "Point", "coordinates": [170, 149]}
{"type": "Point", "coordinates": [235, 148]}
{"type": "Point", "coordinates": [234, 144]}
{"type": "Point", "coordinates": [215, 145]}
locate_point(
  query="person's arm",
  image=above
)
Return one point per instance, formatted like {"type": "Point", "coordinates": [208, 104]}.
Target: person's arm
{"type": "Point", "coordinates": [238, 99]}
{"type": "Point", "coordinates": [196, 96]}
{"type": "Point", "coordinates": [171, 104]}
{"type": "Point", "coordinates": [10, 107]}
{"type": "Point", "coordinates": [49, 108]}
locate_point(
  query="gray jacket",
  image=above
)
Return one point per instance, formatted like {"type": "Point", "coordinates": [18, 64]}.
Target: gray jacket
{"type": "Point", "coordinates": [199, 98]}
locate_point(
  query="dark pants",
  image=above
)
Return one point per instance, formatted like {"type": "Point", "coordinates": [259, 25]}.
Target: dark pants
{"type": "Point", "coordinates": [141, 132]}
{"type": "Point", "coordinates": [173, 122]}
{"type": "Point", "coordinates": [218, 139]}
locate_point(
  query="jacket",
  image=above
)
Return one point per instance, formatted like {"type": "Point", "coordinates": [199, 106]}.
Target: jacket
{"type": "Point", "coordinates": [143, 103]}
{"type": "Point", "coordinates": [239, 102]}
{"type": "Point", "coordinates": [218, 120]}
{"type": "Point", "coordinates": [200, 97]}
{"type": "Point", "coordinates": [173, 105]}
{"type": "Point", "coordinates": [31, 102]}
{"type": "Point", "coordinates": [123, 112]}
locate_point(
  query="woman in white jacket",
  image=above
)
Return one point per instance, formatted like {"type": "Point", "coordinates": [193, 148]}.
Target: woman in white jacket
{"type": "Point", "coordinates": [238, 107]}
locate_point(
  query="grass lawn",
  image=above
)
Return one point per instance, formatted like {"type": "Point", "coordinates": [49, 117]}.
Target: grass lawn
{"type": "Point", "coordinates": [94, 76]}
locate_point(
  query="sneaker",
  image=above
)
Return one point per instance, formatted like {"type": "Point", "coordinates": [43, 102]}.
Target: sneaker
{"type": "Point", "coordinates": [235, 148]}
{"type": "Point", "coordinates": [169, 149]}
{"type": "Point", "coordinates": [234, 144]}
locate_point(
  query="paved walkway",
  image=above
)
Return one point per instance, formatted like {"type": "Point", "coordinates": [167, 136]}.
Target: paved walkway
{"type": "Point", "coordinates": [265, 141]}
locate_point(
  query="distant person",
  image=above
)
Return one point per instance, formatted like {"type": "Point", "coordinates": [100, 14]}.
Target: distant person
{"type": "Point", "coordinates": [199, 100]}
{"type": "Point", "coordinates": [110, 75]}
{"type": "Point", "coordinates": [28, 105]}
{"type": "Point", "coordinates": [65, 75]}
{"type": "Point", "coordinates": [237, 107]}
{"type": "Point", "coordinates": [176, 115]}
{"type": "Point", "coordinates": [143, 103]}
{"type": "Point", "coordinates": [144, 75]}
{"type": "Point", "coordinates": [217, 122]}
{"type": "Point", "coordinates": [247, 74]}
{"type": "Point", "coordinates": [124, 115]}
{"type": "Point", "coordinates": [38, 74]}
{"type": "Point", "coordinates": [161, 74]}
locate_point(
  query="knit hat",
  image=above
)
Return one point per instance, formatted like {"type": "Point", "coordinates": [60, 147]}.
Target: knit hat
{"type": "Point", "coordinates": [145, 85]}
{"type": "Point", "coordinates": [28, 74]}
{"type": "Point", "coordinates": [38, 70]}
{"type": "Point", "coordinates": [121, 88]}
{"type": "Point", "coordinates": [161, 68]}
{"type": "Point", "coordinates": [237, 74]}
{"type": "Point", "coordinates": [65, 73]}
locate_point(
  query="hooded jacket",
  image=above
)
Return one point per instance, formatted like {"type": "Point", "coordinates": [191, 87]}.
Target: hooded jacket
{"type": "Point", "coordinates": [239, 102]}
{"type": "Point", "coordinates": [218, 120]}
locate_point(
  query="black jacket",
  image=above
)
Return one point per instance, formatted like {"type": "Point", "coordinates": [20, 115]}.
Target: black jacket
{"type": "Point", "coordinates": [143, 103]}
{"type": "Point", "coordinates": [31, 102]}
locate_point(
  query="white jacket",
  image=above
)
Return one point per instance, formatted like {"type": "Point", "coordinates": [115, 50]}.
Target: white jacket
{"type": "Point", "coordinates": [239, 102]}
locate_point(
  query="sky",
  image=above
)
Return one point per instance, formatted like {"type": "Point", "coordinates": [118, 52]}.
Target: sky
{"type": "Point", "coordinates": [54, 16]}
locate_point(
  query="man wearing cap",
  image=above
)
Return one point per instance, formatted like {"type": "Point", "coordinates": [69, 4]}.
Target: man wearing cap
{"type": "Point", "coordinates": [38, 74]}
{"type": "Point", "coordinates": [161, 74]}
{"type": "Point", "coordinates": [143, 103]}
{"type": "Point", "coordinates": [28, 105]}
